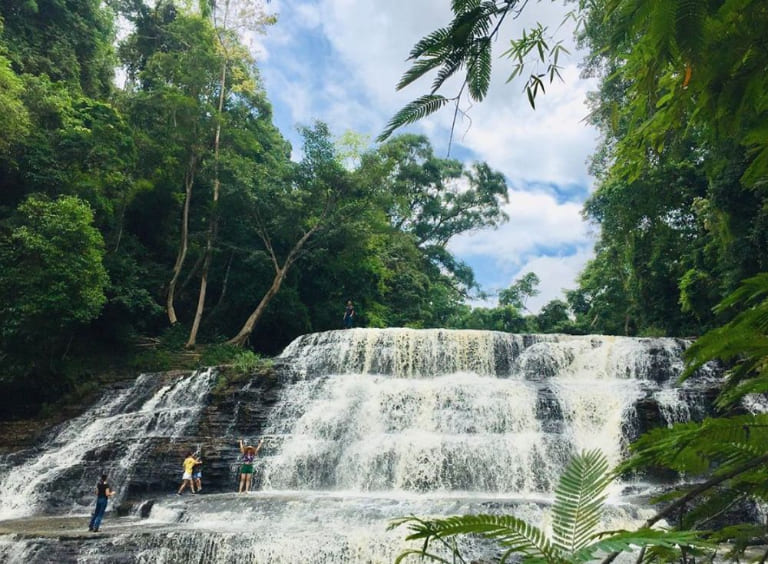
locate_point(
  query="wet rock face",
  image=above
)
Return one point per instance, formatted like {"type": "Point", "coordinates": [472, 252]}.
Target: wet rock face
{"type": "Point", "coordinates": [139, 434]}
{"type": "Point", "coordinates": [234, 412]}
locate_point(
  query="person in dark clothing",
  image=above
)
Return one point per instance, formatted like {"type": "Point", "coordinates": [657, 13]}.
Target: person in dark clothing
{"type": "Point", "coordinates": [103, 493]}
{"type": "Point", "coordinates": [349, 315]}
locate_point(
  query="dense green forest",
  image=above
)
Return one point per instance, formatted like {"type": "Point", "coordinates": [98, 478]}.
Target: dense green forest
{"type": "Point", "coordinates": [161, 211]}
{"type": "Point", "coordinates": [166, 213]}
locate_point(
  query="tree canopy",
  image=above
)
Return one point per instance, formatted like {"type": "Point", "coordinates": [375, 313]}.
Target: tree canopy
{"type": "Point", "coordinates": [167, 203]}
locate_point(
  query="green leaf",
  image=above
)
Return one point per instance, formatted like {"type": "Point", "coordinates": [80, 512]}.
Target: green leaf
{"type": "Point", "coordinates": [414, 111]}
{"type": "Point", "coordinates": [510, 532]}
{"type": "Point", "coordinates": [419, 69]}
{"type": "Point", "coordinates": [434, 43]}
{"type": "Point", "coordinates": [631, 540]}
{"type": "Point", "coordinates": [479, 72]}
{"type": "Point", "coordinates": [579, 499]}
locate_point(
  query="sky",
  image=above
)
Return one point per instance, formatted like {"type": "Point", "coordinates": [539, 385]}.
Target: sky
{"type": "Point", "coordinates": [338, 61]}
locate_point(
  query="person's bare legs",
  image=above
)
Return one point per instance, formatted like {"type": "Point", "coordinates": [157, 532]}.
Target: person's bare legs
{"type": "Point", "coordinates": [184, 485]}
{"type": "Point", "coordinates": [242, 483]}
{"type": "Point", "coordinates": [248, 482]}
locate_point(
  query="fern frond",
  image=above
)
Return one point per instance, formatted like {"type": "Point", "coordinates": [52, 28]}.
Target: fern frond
{"type": "Point", "coordinates": [579, 499]}
{"type": "Point", "coordinates": [739, 538]}
{"type": "Point", "coordinates": [463, 6]}
{"type": "Point", "coordinates": [689, 27]}
{"type": "Point", "coordinates": [694, 447]}
{"type": "Point", "coordinates": [414, 111]}
{"type": "Point", "coordinates": [750, 291]}
{"type": "Point", "coordinates": [450, 66]}
{"type": "Point", "coordinates": [419, 69]}
{"type": "Point", "coordinates": [479, 71]}
{"type": "Point", "coordinates": [743, 340]}
{"type": "Point", "coordinates": [510, 532]}
{"type": "Point", "coordinates": [654, 554]}
{"type": "Point", "coordinates": [631, 540]}
{"type": "Point", "coordinates": [711, 506]}
{"type": "Point", "coordinates": [748, 378]}
{"type": "Point", "coordinates": [736, 453]}
{"type": "Point", "coordinates": [432, 44]}
{"type": "Point", "coordinates": [421, 554]}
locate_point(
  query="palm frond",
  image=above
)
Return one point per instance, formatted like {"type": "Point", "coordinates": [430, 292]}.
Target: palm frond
{"type": "Point", "coordinates": [579, 499]}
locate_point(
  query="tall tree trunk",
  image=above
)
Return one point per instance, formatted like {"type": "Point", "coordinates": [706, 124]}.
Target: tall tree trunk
{"type": "Point", "coordinates": [121, 218]}
{"type": "Point", "coordinates": [214, 223]}
{"type": "Point", "coordinates": [250, 323]}
{"type": "Point", "coordinates": [203, 287]}
{"type": "Point", "coordinates": [277, 281]}
{"type": "Point", "coordinates": [224, 284]}
{"type": "Point", "coordinates": [189, 180]}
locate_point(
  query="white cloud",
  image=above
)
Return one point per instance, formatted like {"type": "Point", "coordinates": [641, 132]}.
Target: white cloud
{"type": "Point", "coordinates": [550, 143]}
{"type": "Point", "coordinates": [536, 219]}
{"type": "Point", "coordinates": [556, 273]}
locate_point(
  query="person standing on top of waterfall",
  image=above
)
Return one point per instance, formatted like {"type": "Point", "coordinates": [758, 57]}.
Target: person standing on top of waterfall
{"type": "Point", "coordinates": [103, 493]}
{"type": "Point", "coordinates": [349, 315]}
{"type": "Point", "coordinates": [186, 478]}
{"type": "Point", "coordinates": [246, 464]}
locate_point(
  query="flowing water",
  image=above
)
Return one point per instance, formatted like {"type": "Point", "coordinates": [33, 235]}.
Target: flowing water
{"type": "Point", "coordinates": [370, 425]}
{"type": "Point", "coordinates": [123, 424]}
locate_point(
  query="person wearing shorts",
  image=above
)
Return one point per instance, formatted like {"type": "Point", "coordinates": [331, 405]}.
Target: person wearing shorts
{"type": "Point", "coordinates": [248, 454]}
{"type": "Point", "coordinates": [186, 478]}
{"type": "Point", "coordinates": [197, 474]}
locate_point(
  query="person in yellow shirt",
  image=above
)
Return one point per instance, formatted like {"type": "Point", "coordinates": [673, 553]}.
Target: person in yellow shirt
{"type": "Point", "coordinates": [186, 479]}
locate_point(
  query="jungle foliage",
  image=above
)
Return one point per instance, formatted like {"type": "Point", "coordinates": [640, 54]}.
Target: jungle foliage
{"type": "Point", "coordinates": [576, 536]}
{"type": "Point", "coordinates": [167, 210]}
{"type": "Point", "coordinates": [149, 203]}
{"type": "Point", "coordinates": [681, 204]}
{"type": "Point", "coordinates": [682, 167]}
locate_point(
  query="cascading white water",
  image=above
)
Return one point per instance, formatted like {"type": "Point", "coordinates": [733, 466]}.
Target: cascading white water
{"type": "Point", "coordinates": [128, 419]}
{"type": "Point", "coordinates": [405, 410]}
{"type": "Point", "coordinates": [371, 425]}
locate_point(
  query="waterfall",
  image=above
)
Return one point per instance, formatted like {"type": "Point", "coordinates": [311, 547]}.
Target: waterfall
{"type": "Point", "coordinates": [474, 411]}
{"type": "Point", "coordinates": [364, 426]}
{"type": "Point", "coordinates": [110, 437]}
